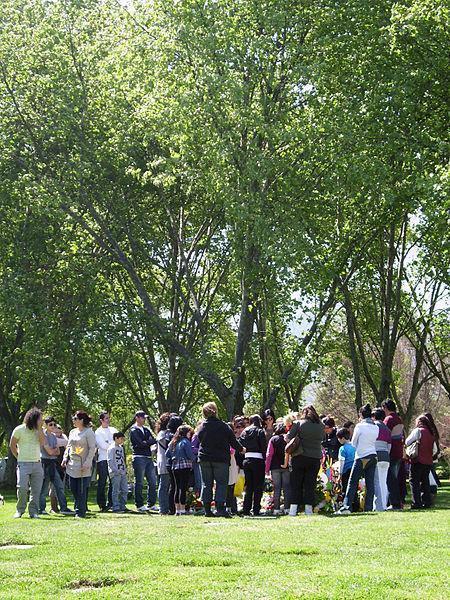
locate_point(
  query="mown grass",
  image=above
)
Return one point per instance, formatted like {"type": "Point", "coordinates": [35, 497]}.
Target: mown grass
{"type": "Point", "coordinates": [380, 556]}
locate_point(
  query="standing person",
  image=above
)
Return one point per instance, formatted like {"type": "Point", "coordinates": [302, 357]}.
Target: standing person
{"type": "Point", "coordinates": [25, 444]}
{"type": "Point", "coordinates": [253, 438]}
{"type": "Point", "coordinates": [195, 442]}
{"type": "Point", "coordinates": [395, 424]}
{"type": "Point", "coordinates": [175, 421]}
{"type": "Point", "coordinates": [305, 460]}
{"type": "Point", "coordinates": [142, 443]}
{"type": "Point", "coordinates": [78, 457]}
{"type": "Point", "coordinates": [117, 468]}
{"type": "Point", "coordinates": [364, 438]}
{"type": "Point", "coordinates": [421, 464]}
{"type": "Point", "coordinates": [180, 457]}
{"type": "Point", "coordinates": [162, 442]}
{"type": "Point", "coordinates": [49, 458]}
{"type": "Point", "coordinates": [281, 478]}
{"type": "Point", "coordinates": [215, 437]}
{"type": "Point", "coordinates": [61, 442]}
{"type": "Point", "coordinates": [268, 419]}
{"type": "Point", "coordinates": [350, 426]}
{"type": "Point", "coordinates": [103, 439]}
{"type": "Point", "coordinates": [433, 474]}
{"type": "Point", "coordinates": [330, 442]}
{"type": "Point", "coordinates": [383, 446]}
{"type": "Point", "coordinates": [346, 460]}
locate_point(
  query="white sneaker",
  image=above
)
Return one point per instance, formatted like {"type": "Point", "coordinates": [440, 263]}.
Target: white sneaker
{"type": "Point", "coordinates": [293, 510]}
{"type": "Point", "coordinates": [153, 508]}
{"type": "Point", "coordinates": [277, 512]}
{"type": "Point", "coordinates": [35, 516]}
{"type": "Point", "coordinates": [142, 509]}
{"type": "Point", "coordinates": [344, 510]}
{"type": "Point", "coordinates": [17, 515]}
{"type": "Point", "coordinates": [308, 509]}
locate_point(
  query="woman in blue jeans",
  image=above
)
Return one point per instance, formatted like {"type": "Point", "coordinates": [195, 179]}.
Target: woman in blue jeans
{"type": "Point", "coordinates": [78, 457]}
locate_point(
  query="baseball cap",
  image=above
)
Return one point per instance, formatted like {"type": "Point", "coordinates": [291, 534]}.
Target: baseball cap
{"type": "Point", "coordinates": [141, 413]}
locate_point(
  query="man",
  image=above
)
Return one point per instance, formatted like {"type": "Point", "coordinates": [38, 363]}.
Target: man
{"type": "Point", "coordinates": [49, 459]}
{"type": "Point", "coordinates": [142, 443]}
{"type": "Point", "coordinates": [103, 439]}
{"type": "Point", "coordinates": [395, 424]}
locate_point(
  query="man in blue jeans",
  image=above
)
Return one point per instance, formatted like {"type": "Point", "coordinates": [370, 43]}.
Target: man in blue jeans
{"type": "Point", "coordinates": [142, 443]}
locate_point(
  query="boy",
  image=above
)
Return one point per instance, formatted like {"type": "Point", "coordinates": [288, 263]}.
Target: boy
{"type": "Point", "coordinates": [118, 472]}
{"type": "Point", "coordinates": [346, 460]}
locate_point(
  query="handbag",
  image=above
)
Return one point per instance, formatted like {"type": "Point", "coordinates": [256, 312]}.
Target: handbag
{"type": "Point", "coordinates": [412, 451]}
{"type": "Point", "coordinates": [294, 446]}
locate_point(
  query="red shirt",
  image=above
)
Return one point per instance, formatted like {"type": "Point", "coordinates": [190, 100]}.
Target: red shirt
{"type": "Point", "coordinates": [395, 424]}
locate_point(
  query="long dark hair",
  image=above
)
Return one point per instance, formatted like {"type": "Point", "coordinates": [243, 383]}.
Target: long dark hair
{"type": "Point", "coordinates": [256, 421]}
{"type": "Point", "coordinates": [32, 417]}
{"type": "Point", "coordinates": [423, 421]}
{"type": "Point", "coordinates": [182, 432]}
{"type": "Point", "coordinates": [310, 414]}
{"type": "Point", "coordinates": [83, 416]}
{"type": "Point", "coordinates": [161, 423]}
{"type": "Point", "coordinates": [435, 431]}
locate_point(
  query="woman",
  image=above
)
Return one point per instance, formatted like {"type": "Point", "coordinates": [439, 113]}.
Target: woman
{"type": "Point", "coordinates": [275, 466]}
{"type": "Point", "coordinates": [174, 422]}
{"type": "Point", "coordinates": [180, 457]}
{"type": "Point", "coordinates": [421, 464]}
{"type": "Point", "coordinates": [269, 423]}
{"type": "Point", "coordinates": [25, 445]}
{"type": "Point", "coordinates": [161, 463]}
{"type": "Point", "coordinates": [253, 438]}
{"type": "Point", "coordinates": [215, 437]}
{"type": "Point", "coordinates": [383, 448]}
{"type": "Point", "coordinates": [305, 460]}
{"type": "Point", "coordinates": [78, 457]}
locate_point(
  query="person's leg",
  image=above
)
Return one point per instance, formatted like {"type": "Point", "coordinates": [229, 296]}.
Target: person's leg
{"type": "Point", "coordinates": [230, 497]}
{"type": "Point", "coordinates": [249, 486]}
{"type": "Point", "coordinates": [352, 487]}
{"type": "Point", "coordinates": [123, 494]}
{"type": "Point", "coordinates": [295, 485]}
{"type": "Point", "coordinates": [59, 491]}
{"type": "Point", "coordinates": [102, 473]}
{"type": "Point", "coordinates": [36, 479]}
{"type": "Point", "coordinates": [416, 473]}
{"type": "Point", "coordinates": [197, 478]}
{"type": "Point", "coordinates": [207, 484]}
{"type": "Point", "coordinates": [276, 475]}
{"type": "Point", "coordinates": [258, 479]}
{"type": "Point", "coordinates": [312, 466]}
{"type": "Point", "coordinates": [86, 485]}
{"type": "Point", "coordinates": [220, 474]}
{"type": "Point", "coordinates": [150, 476]}
{"type": "Point", "coordinates": [369, 466]}
{"type": "Point", "coordinates": [76, 486]}
{"type": "Point", "coordinates": [286, 485]}
{"type": "Point", "coordinates": [425, 486]}
{"type": "Point", "coordinates": [382, 470]}
{"type": "Point", "coordinates": [23, 481]}
{"type": "Point", "coordinates": [138, 468]}
{"type": "Point", "coordinates": [177, 477]}
{"type": "Point", "coordinates": [183, 482]}
{"type": "Point", "coordinates": [115, 484]}
{"type": "Point", "coordinates": [302, 466]}
{"type": "Point", "coordinates": [45, 486]}
{"type": "Point", "coordinates": [393, 483]}
{"type": "Point", "coordinates": [163, 493]}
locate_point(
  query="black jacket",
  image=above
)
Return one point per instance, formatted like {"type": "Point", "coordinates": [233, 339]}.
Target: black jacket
{"type": "Point", "coordinates": [254, 440]}
{"type": "Point", "coordinates": [331, 445]}
{"type": "Point", "coordinates": [216, 437]}
{"type": "Point", "coordinates": [141, 442]}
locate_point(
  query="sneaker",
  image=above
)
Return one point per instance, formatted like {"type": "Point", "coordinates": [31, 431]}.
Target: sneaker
{"type": "Point", "coordinates": [393, 508]}
{"type": "Point", "coordinates": [79, 517]}
{"type": "Point", "coordinates": [153, 508]}
{"type": "Point", "coordinates": [35, 516]}
{"type": "Point", "coordinates": [344, 510]}
{"type": "Point", "coordinates": [67, 511]}
{"type": "Point", "coordinates": [119, 512]}
{"type": "Point", "coordinates": [142, 509]}
{"type": "Point", "coordinates": [277, 512]}
{"type": "Point", "coordinates": [43, 512]}
{"type": "Point", "coordinates": [17, 515]}
{"type": "Point", "coordinates": [293, 510]}
{"type": "Point", "coordinates": [308, 510]}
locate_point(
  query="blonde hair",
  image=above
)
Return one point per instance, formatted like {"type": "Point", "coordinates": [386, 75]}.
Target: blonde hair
{"type": "Point", "coordinates": [290, 418]}
{"type": "Point", "coordinates": [209, 409]}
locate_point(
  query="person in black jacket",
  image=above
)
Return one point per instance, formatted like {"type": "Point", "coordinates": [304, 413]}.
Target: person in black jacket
{"type": "Point", "coordinates": [254, 439]}
{"type": "Point", "coordinates": [330, 442]}
{"type": "Point", "coordinates": [142, 443]}
{"type": "Point", "coordinates": [215, 437]}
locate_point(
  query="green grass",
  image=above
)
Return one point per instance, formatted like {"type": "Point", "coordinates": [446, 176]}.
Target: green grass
{"type": "Point", "coordinates": [380, 556]}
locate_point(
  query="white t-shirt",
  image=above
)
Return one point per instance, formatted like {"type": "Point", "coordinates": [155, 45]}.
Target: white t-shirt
{"type": "Point", "coordinates": [364, 438]}
{"type": "Point", "coordinates": [104, 439]}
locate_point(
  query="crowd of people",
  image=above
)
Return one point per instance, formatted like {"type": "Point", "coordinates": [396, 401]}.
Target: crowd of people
{"type": "Point", "coordinates": [216, 460]}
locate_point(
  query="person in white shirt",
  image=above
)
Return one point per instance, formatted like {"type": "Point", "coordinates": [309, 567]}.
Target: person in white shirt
{"type": "Point", "coordinates": [103, 440]}
{"type": "Point", "coordinates": [364, 438]}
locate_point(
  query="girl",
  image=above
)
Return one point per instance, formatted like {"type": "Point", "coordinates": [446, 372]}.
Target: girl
{"type": "Point", "coordinates": [254, 441]}
{"type": "Point", "coordinates": [421, 465]}
{"type": "Point", "coordinates": [278, 471]}
{"type": "Point", "coordinates": [180, 457]}
{"type": "Point", "coordinates": [269, 423]}
{"type": "Point", "coordinates": [161, 463]}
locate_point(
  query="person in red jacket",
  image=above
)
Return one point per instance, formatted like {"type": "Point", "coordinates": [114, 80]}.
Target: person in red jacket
{"type": "Point", "coordinates": [421, 465]}
{"type": "Point", "coordinates": [395, 424]}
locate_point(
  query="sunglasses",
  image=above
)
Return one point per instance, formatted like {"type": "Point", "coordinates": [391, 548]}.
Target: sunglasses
{"type": "Point", "coordinates": [52, 424]}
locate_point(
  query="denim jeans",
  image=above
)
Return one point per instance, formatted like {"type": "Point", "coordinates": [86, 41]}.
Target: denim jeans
{"type": "Point", "coordinates": [362, 467]}
{"type": "Point", "coordinates": [381, 491]}
{"type": "Point", "coordinates": [119, 491]}
{"type": "Point", "coordinates": [51, 476]}
{"type": "Point", "coordinates": [80, 488]}
{"type": "Point", "coordinates": [143, 466]}
{"type": "Point", "coordinates": [218, 472]}
{"type": "Point", "coordinates": [197, 477]}
{"type": "Point", "coordinates": [163, 493]}
{"type": "Point", "coordinates": [281, 479]}
{"type": "Point", "coordinates": [103, 480]}
{"type": "Point", "coordinates": [393, 483]}
{"type": "Point", "coordinates": [29, 475]}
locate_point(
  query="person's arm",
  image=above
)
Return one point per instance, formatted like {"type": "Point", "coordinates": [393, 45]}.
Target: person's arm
{"type": "Point", "coordinates": [61, 442]}
{"type": "Point", "coordinates": [13, 446]}
{"type": "Point", "coordinates": [137, 441]}
{"type": "Point", "coordinates": [86, 465]}
{"type": "Point", "coordinates": [269, 455]}
{"type": "Point", "coordinates": [234, 443]}
{"type": "Point", "coordinates": [111, 458]}
{"type": "Point", "coordinates": [414, 436]}
{"type": "Point", "coordinates": [188, 450]}
{"type": "Point", "coordinates": [100, 440]}
{"type": "Point", "coordinates": [355, 436]}
{"type": "Point", "coordinates": [293, 431]}
{"type": "Point", "coordinates": [65, 457]}
{"type": "Point", "coordinates": [341, 460]}
{"type": "Point", "coordinates": [262, 442]}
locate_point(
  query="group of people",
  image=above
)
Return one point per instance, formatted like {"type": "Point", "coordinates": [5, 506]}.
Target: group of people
{"type": "Point", "coordinates": [212, 458]}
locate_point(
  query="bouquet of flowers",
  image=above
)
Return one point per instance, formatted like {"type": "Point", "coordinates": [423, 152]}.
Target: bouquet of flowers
{"type": "Point", "coordinates": [328, 489]}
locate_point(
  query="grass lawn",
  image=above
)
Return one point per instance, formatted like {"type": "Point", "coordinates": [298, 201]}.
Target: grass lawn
{"type": "Point", "coordinates": [380, 556]}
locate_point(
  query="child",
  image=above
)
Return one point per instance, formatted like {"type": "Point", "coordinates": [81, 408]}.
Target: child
{"type": "Point", "coordinates": [118, 472]}
{"type": "Point", "coordinates": [346, 460]}
{"type": "Point", "coordinates": [180, 457]}
{"type": "Point", "coordinates": [275, 461]}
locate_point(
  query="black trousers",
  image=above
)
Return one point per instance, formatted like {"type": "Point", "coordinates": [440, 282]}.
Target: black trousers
{"type": "Point", "coordinates": [172, 488]}
{"type": "Point", "coordinates": [304, 479]}
{"type": "Point", "coordinates": [181, 477]}
{"type": "Point", "coordinates": [420, 485]}
{"type": "Point", "coordinates": [254, 469]}
{"type": "Point", "coordinates": [102, 482]}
